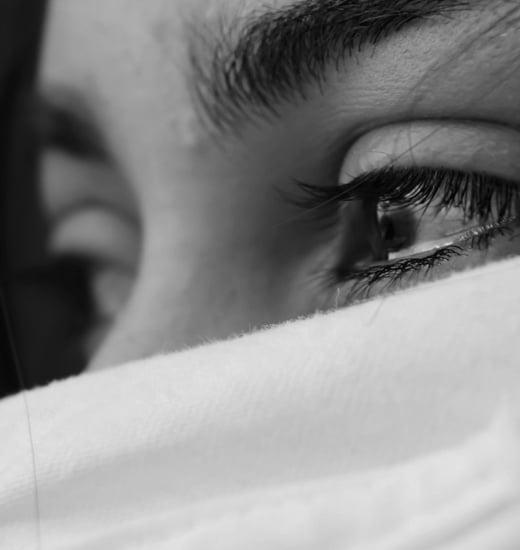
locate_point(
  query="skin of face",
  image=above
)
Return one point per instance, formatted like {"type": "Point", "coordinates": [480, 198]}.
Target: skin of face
{"type": "Point", "coordinates": [207, 249]}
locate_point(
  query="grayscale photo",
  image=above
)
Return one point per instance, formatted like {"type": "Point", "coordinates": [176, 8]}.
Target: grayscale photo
{"type": "Point", "coordinates": [260, 274]}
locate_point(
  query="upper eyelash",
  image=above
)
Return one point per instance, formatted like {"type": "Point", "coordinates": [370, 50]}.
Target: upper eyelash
{"type": "Point", "coordinates": [478, 195]}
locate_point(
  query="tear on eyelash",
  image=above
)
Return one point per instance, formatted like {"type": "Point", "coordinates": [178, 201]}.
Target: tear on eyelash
{"type": "Point", "coordinates": [482, 238]}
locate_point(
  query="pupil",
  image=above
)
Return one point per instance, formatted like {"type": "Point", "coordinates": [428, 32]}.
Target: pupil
{"type": "Point", "coordinates": [398, 229]}
{"type": "Point", "coordinates": [387, 229]}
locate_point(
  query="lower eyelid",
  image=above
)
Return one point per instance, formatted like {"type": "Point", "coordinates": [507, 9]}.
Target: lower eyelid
{"type": "Point", "coordinates": [400, 273]}
{"type": "Point", "coordinates": [388, 277]}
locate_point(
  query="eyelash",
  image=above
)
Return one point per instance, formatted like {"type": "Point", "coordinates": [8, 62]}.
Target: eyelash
{"type": "Point", "coordinates": [493, 201]}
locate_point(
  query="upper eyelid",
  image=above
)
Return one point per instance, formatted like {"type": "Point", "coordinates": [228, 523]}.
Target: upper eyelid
{"type": "Point", "coordinates": [64, 123]}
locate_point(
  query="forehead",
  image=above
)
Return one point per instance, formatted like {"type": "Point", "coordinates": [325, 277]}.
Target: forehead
{"type": "Point", "coordinates": [163, 23]}
{"type": "Point", "coordinates": [119, 42]}
{"type": "Point", "coordinates": [104, 50]}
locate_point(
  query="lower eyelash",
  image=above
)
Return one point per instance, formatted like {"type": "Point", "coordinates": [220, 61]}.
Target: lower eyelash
{"type": "Point", "coordinates": [390, 275]}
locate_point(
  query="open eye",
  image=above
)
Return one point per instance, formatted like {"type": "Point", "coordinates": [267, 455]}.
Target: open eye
{"type": "Point", "coordinates": [412, 199]}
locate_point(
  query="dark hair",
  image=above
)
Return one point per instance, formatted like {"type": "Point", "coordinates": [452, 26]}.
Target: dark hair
{"type": "Point", "coordinates": [21, 24]}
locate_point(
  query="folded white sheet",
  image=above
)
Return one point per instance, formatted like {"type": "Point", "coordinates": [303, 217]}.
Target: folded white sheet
{"type": "Point", "coordinates": [370, 428]}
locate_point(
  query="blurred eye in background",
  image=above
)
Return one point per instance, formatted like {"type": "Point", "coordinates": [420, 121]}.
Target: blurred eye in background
{"type": "Point", "coordinates": [91, 217]}
{"type": "Point", "coordinates": [75, 254]}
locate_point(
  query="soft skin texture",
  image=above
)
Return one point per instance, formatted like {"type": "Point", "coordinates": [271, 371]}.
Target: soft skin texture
{"type": "Point", "coordinates": [218, 252]}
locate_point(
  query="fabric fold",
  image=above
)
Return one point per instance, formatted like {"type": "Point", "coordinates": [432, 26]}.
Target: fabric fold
{"type": "Point", "coordinates": [356, 429]}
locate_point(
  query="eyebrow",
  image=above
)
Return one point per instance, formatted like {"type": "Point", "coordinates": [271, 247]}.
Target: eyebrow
{"type": "Point", "coordinates": [261, 60]}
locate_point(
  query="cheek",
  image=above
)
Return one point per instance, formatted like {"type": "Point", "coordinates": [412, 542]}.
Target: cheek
{"type": "Point", "coordinates": [185, 300]}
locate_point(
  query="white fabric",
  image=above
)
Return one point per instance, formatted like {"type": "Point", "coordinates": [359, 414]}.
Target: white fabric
{"type": "Point", "coordinates": [371, 428]}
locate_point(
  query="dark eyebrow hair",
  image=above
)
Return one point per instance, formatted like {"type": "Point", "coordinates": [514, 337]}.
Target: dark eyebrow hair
{"type": "Point", "coordinates": [262, 59]}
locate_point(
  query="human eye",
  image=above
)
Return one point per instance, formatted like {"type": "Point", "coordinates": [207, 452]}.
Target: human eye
{"type": "Point", "coordinates": [418, 202]}
{"type": "Point", "coordinates": [92, 227]}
